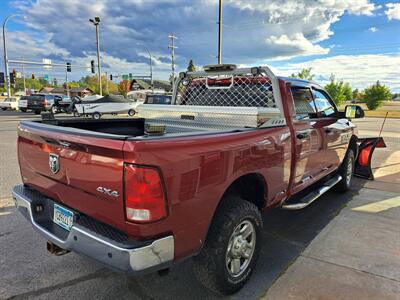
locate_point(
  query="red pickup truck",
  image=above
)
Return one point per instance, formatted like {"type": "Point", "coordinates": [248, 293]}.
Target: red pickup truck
{"type": "Point", "coordinates": [188, 179]}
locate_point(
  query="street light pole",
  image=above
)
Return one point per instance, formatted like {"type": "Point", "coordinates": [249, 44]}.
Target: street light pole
{"type": "Point", "coordinates": [96, 23]}
{"type": "Point", "coordinates": [7, 75]}
{"type": "Point", "coordinates": [220, 33]}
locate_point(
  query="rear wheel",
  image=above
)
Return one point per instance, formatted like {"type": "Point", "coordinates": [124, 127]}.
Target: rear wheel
{"type": "Point", "coordinates": [346, 170]}
{"type": "Point", "coordinates": [3, 108]}
{"type": "Point", "coordinates": [131, 112]}
{"type": "Point", "coordinates": [37, 112]}
{"type": "Point", "coordinates": [231, 249]}
{"type": "Point", "coordinates": [23, 109]}
{"type": "Point", "coordinates": [96, 115]}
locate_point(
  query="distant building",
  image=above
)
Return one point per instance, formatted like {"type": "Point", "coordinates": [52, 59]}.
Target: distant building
{"type": "Point", "coordinates": [58, 91]}
{"type": "Point", "coordinates": [81, 92]}
{"type": "Point", "coordinates": [145, 84]}
{"type": "Point", "coordinates": [46, 90]}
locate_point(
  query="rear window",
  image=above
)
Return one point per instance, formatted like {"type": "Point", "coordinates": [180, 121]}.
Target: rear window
{"type": "Point", "coordinates": [36, 97]}
{"type": "Point", "coordinates": [239, 91]}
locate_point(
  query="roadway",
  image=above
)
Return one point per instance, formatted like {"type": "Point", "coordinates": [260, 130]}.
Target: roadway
{"type": "Point", "coordinates": [29, 271]}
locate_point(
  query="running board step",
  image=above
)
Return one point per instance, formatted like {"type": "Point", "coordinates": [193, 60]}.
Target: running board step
{"type": "Point", "coordinates": [312, 196]}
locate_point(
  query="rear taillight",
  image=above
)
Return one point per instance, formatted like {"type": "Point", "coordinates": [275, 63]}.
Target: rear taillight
{"type": "Point", "coordinates": [144, 194]}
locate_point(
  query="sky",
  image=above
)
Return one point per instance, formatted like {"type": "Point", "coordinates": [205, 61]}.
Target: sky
{"type": "Point", "coordinates": [356, 40]}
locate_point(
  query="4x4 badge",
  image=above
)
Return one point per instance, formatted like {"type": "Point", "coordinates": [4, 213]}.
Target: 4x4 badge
{"type": "Point", "coordinates": [54, 163]}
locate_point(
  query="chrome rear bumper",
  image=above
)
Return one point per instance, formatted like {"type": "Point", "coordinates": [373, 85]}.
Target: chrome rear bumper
{"type": "Point", "coordinates": [133, 257]}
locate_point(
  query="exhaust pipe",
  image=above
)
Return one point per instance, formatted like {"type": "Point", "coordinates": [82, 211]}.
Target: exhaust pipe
{"type": "Point", "coordinates": [54, 249]}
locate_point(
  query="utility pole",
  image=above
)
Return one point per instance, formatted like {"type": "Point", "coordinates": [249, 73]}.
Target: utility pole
{"type": "Point", "coordinates": [23, 76]}
{"type": "Point", "coordinates": [220, 33]}
{"type": "Point", "coordinates": [108, 92]}
{"type": "Point", "coordinates": [172, 46]}
{"type": "Point", "coordinates": [66, 81]}
{"type": "Point", "coordinates": [96, 23]}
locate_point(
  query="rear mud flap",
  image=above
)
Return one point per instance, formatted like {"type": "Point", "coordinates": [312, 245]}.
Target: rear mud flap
{"type": "Point", "coordinates": [366, 149]}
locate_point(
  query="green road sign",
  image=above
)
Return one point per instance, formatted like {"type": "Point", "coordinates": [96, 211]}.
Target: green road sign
{"type": "Point", "coordinates": [46, 77]}
{"type": "Point", "coordinates": [125, 77]}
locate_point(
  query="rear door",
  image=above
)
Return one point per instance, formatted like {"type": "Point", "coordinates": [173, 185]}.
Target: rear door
{"type": "Point", "coordinates": [308, 139]}
{"type": "Point", "coordinates": [336, 132]}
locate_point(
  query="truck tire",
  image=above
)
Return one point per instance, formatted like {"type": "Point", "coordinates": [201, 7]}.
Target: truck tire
{"type": "Point", "coordinates": [346, 170]}
{"type": "Point", "coordinates": [231, 249]}
{"type": "Point", "coordinates": [96, 115]}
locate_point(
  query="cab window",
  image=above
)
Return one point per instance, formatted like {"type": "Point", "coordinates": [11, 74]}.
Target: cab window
{"type": "Point", "coordinates": [324, 106]}
{"type": "Point", "coordinates": [304, 104]}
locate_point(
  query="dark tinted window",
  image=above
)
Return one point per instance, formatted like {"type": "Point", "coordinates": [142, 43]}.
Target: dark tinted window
{"type": "Point", "coordinates": [158, 99]}
{"type": "Point", "coordinates": [304, 103]}
{"type": "Point", "coordinates": [324, 106]}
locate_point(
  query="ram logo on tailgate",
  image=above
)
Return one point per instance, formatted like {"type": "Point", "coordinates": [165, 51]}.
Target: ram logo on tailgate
{"type": "Point", "coordinates": [54, 163]}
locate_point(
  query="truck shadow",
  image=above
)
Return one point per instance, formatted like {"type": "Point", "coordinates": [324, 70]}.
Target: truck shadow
{"type": "Point", "coordinates": [286, 235]}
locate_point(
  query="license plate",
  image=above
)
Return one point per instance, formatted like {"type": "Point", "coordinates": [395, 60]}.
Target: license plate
{"type": "Point", "coordinates": [63, 217]}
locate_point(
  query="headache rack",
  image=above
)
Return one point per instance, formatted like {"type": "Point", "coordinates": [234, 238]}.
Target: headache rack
{"type": "Point", "coordinates": [221, 97]}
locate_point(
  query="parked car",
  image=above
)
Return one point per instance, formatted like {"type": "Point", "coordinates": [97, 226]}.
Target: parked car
{"type": "Point", "coordinates": [9, 103]}
{"type": "Point", "coordinates": [41, 102]}
{"type": "Point", "coordinates": [23, 103]}
{"type": "Point", "coordinates": [188, 179]}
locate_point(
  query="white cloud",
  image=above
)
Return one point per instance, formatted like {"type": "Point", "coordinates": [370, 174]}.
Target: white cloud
{"type": "Point", "coordinates": [393, 11]}
{"type": "Point", "coordinates": [359, 70]}
{"type": "Point", "coordinates": [253, 31]}
{"type": "Point", "coordinates": [296, 43]}
{"type": "Point", "coordinates": [373, 29]}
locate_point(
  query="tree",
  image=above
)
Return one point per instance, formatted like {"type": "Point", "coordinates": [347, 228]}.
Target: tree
{"type": "Point", "coordinates": [191, 66]}
{"type": "Point", "coordinates": [376, 94]}
{"type": "Point", "coordinates": [304, 74]}
{"type": "Point", "coordinates": [124, 87]}
{"type": "Point", "coordinates": [30, 83]}
{"type": "Point", "coordinates": [339, 91]}
{"type": "Point", "coordinates": [356, 92]}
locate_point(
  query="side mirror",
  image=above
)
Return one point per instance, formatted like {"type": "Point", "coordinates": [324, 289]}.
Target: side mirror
{"type": "Point", "coordinates": [353, 112]}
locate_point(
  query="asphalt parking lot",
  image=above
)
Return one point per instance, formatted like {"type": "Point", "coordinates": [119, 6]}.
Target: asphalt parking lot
{"type": "Point", "coordinates": [29, 271]}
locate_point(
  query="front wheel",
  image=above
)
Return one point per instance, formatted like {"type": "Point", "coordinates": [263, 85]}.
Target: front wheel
{"type": "Point", "coordinates": [23, 110]}
{"type": "Point", "coordinates": [131, 112]}
{"type": "Point", "coordinates": [54, 110]}
{"type": "Point", "coordinates": [231, 249]}
{"type": "Point", "coordinates": [37, 112]}
{"type": "Point", "coordinates": [3, 108]}
{"type": "Point", "coordinates": [346, 170]}
{"type": "Point", "coordinates": [96, 116]}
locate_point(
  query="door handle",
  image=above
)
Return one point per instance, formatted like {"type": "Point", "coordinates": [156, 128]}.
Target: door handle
{"type": "Point", "coordinates": [302, 135]}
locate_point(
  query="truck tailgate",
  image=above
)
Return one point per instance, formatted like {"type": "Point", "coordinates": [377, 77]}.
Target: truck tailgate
{"type": "Point", "coordinates": [81, 171]}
